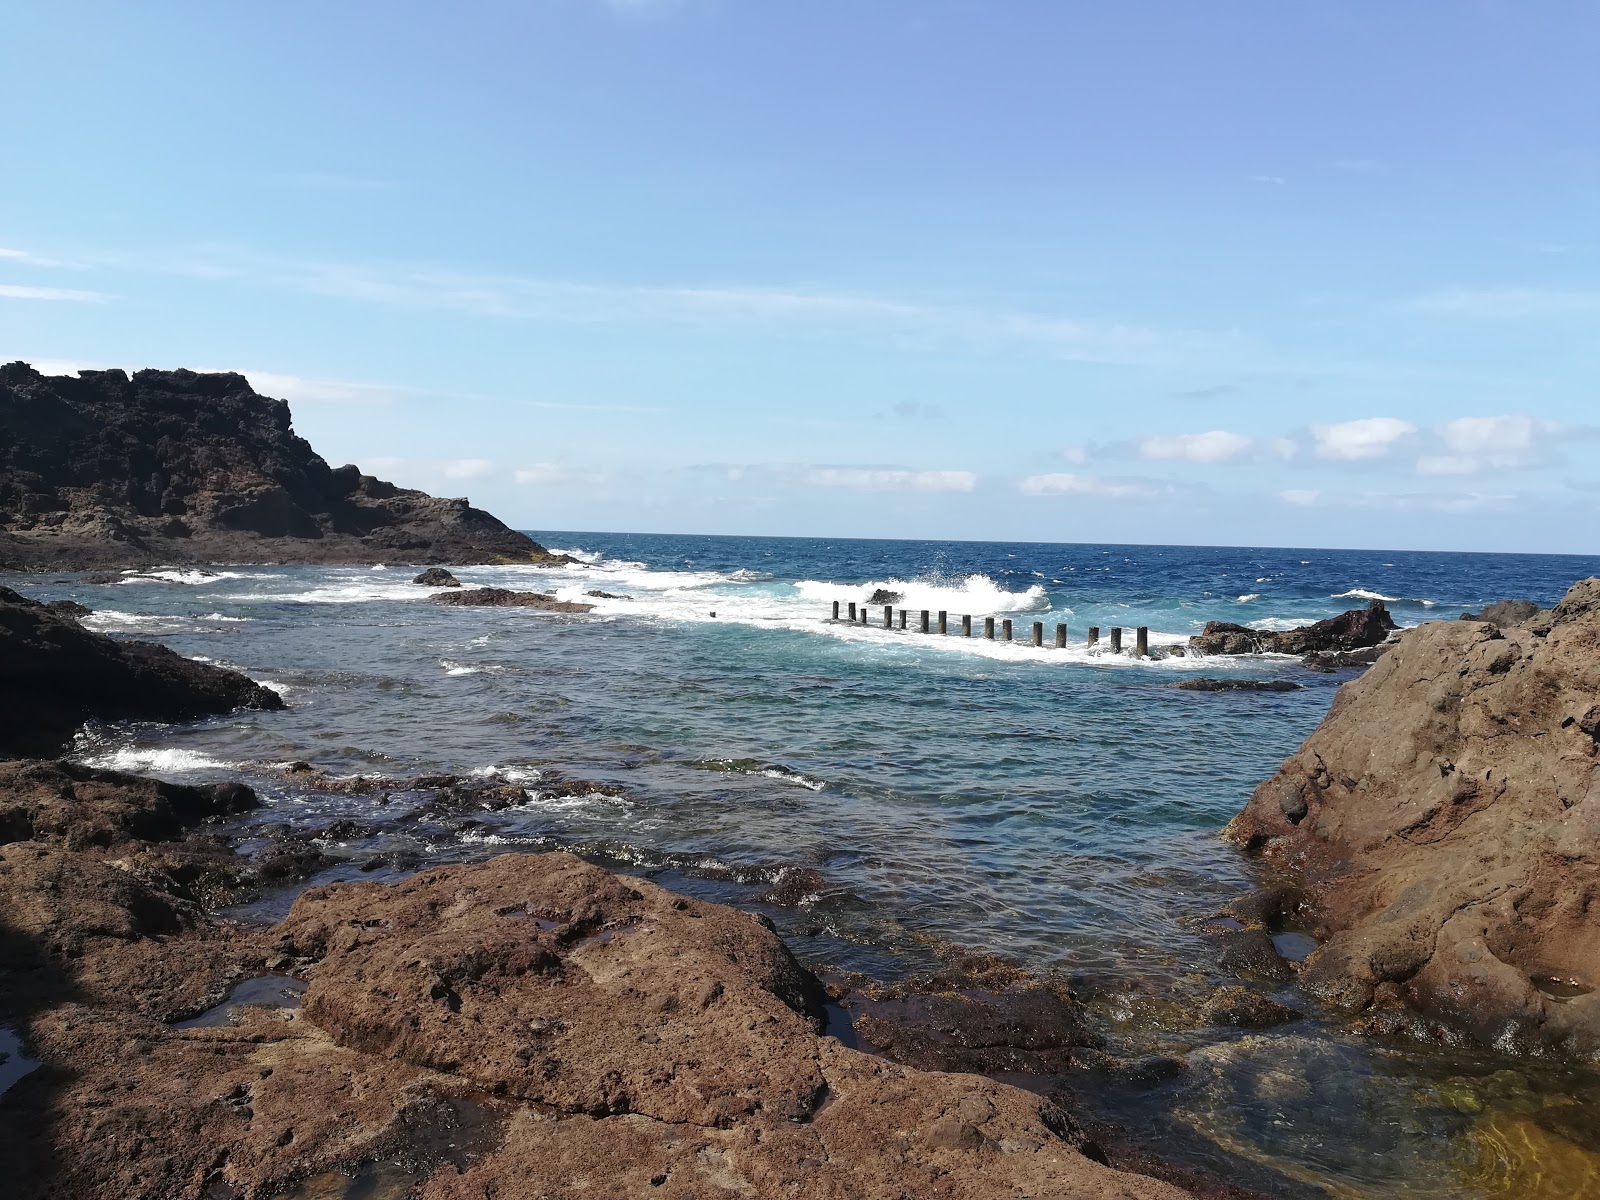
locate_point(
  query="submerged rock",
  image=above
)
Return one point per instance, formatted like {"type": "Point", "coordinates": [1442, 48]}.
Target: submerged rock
{"type": "Point", "coordinates": [491, 597]}
{"type": "Point", "coordinates": [1207, 683]}
{"type": "Point", "coordinates": [437, 577]}
{"type": "Point", "coordinates": [1445, 821]}
{"type": "Point", "coordinates": [55, 675]}
{"type": "Point", "coordinates": [1352, 630]}
{"type": "Point", "coordinates": [108, 470]}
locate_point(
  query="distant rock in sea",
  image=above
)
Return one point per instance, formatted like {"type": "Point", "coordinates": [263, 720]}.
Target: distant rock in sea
{"type": "Point", "coordinates": [1356, 629]}
{"type": "Point", "coordinates": [103, 471]}
{"type": "Point", "coordinates": [505, 598]}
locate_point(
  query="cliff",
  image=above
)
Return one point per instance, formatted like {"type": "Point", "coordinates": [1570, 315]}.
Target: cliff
{"type": "Point", "coordinates": [104, 471]}
{"type": "Point", "coordinates": [1442, 827]}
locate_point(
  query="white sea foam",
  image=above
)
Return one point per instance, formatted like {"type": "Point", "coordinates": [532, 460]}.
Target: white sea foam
{"type": "Point", "coordinates": [794, 777]}
{"type": "Point", "coordinates": [517, 775]}
{"type": "Point", "coordinates": [283, 689]}
{"type": "Point", "coordinates": [975, 594]}
{"type": "Point", "coordinates": [1247, 597]}
{"type": "Point", "coordinates": [189, 575]}
{"type": "Point", "coordinates": [1364, 594]}
{"type": "Point", "coordinates": [455, 668]}
{"type": "Point", "coordinates": [167, 761]}
{"type": "Point", "coordinates": [127, 622]}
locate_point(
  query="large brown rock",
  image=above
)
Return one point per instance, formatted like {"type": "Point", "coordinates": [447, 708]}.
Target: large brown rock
{"type": "Point", "coordinates": [1445, 821]}
{"type": "Point", "coordinates": [55, 675]}
{"type": "Point", "coordinates": [104, 470]}
{"type": "Point", "coordinates": [1355, 629]}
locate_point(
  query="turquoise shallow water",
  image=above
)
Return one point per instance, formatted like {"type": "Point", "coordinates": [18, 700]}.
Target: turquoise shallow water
{"type": "Point", "coordinates": [1059, 806]}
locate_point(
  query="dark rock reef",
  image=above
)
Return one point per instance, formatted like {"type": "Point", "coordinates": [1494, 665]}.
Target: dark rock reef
{"type": "Point", "coordinates": [1444, 823]}
{"type": "Point", "coordinates": [104, 471]}
{"type": "Point", "coordinates": [1207, 683]}
{"type": "Point", "coordinates": [490, 597]}
{"type": "Point", "coordinates": [55, 675]}
{"type": "Point", "coordinates": [1353, 630]}
{"type": "Point", "coordinates": [437, 577]}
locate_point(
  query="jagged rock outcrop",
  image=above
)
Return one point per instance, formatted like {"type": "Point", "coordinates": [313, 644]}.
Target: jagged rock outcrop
{"type": "Point", "coordinates": [491, 597]}
{"type": "Point", "coordinates": [1353, 630]}
{"type": "Point", "coordinates": [103, 470]}
{"type": "Point", "coordinates": [437, 577]}
{"type": "Point", "coordinates": [55, 675]}
{"type": "Point", "coordinates": [531, 1025]}
{"type": "Point", "coordinates": [1444, 821]}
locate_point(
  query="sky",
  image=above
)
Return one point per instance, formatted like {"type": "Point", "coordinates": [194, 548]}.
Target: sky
{"type": "Point", "coordinates": [1321, 274]}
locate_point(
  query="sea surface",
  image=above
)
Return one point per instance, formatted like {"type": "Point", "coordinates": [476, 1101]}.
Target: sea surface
{"type": "Point", "coordinates": [1062, 807]}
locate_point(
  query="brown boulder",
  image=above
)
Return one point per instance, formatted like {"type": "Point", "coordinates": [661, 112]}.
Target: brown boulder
{"type": "Point", "coordinates": [1445, 820]}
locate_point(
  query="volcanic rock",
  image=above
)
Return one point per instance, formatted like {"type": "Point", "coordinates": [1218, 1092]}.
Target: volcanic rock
{"type": "Point", "coordinates": [1207, 683]}
{"type": "Point", "coordinates": [173, 466]}
{"type": "Point", "coordinates": [55, 675]}
{"type": "Point", "coordinates": [1351, 630]}
{"type": "Point", "coordinates": [1445, 822]}
{"type": "Point", "coordinates": [437, 577]}
{"type": "Point", "coordinates": [1327, 661]}
{"type": "Point", "coordinates": [1505, 613]}
{"type": "Point", "coordinates": [885, 596]}
{"type": "Point", "coordinates": [491, 597]}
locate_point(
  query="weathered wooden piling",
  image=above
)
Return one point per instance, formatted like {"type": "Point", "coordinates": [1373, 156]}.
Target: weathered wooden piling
{"type": "Point", "coordinates": [1141, 641]}
{"type": "Point", "coordinates": [1061, 637]}
{"type": "Point", "coordinates": [835, 610]}
{"type": "Point", "coordinates": [888, 616]}
{"type": "Point", "coordinates": [966, 625]}
{"type": "Point", "coordinates": [1005, 629]}
{"type": "Point", "coordinates": [852, 610]}
{"type": "Point", "coordinates": [1038, 633]}
{"type": "Point", "coordinates": [943, 622]}
{"type": "Point", "coordinates": [1094, 637]}
{"type": "Point", "coordinates": [988, 628]}
{"type": "Point", "coordinates": [902, 618]}
{"type": "Point", "coordinates": [1116, 639]}
{"type": "Point", "coordinates": [924, 620]}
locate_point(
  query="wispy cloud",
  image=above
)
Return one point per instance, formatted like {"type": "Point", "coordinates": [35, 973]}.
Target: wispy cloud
{"type": "Point", "coordinates": [17, 291]}
{"type": "Point", "coordinates": [297, 389]}
{"type": "Point", "coordinates": [26, 258]}
{"type": "Point", "coordinates": [1217, 445]}
{"type": "Point", "coordinates": [1071, 484]}
{"type": "Point", "coordinates": [852, 478]}
{"type": "Point", "coordinates": [1370, 437]}
{"type": "Point", "coordinates": [1507, 304]}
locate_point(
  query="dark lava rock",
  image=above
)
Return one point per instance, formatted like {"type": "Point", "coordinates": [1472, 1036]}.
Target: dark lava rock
{"type": "Point", "coordinates": [599, 595]}
{"type": "Point", "coordinates": [69, 608]}
{"type": "Point", "coordinates": [885, 596]}
{"type": "Point", "coordinates": [1206, 683]}
{"type": "Point", "coordinates": [1506, 613]}
{"type": "Point", "coordinates": [491, 597]}
{"type": "Point", "coordinates": [1341, 660]}
{"type": "Point", "coordinates": [55, 675]}
{"type": "Point", "coordinates": [437, 577]}
{"type": "Point", "coordinates": [1245, 1009]}
{"type": "Point", "coordinates": [1352, 630]}
{"type": "Point", "coordinates": [104, 470]}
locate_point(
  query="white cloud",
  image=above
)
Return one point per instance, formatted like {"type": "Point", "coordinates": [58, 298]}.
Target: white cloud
{"type": "Point", "coordinates": [880, 480]}
{"type": "Point", "coordinates": [297, 389]}
{"type": "Point", "coordinates": [1218, 445]}
{"type": "Point", "coordinates": [1508, 304]}
{"type": "Point", "coordinates": [26, 258]}
{"type": "Point", "coordinates": [1076, 455]}
{"type": "Point", "coordinates": [1301, 497]}
{"type": "Point", "coordinates": [1067, 484]}
{"type": "Point", "coordinates": [1371, 437]}
{"type": "Point", "coordinates": [467, 468]}
{"type": "Point", "coordinates": [1478, 444]}
{"type": "Point", "coordinates": [551, 474]}
{"type": "Point", "coordinates": [1447, 464]}
{"type": "Point", "coordinates": [17, 291]}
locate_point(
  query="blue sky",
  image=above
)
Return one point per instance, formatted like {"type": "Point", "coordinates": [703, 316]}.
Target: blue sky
{"type": "Point", "coordinates": [1243, 273]}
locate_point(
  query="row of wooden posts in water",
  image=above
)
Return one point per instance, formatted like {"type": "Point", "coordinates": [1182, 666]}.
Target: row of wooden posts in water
{"type": "Point", "coordinates": [1141, 635]}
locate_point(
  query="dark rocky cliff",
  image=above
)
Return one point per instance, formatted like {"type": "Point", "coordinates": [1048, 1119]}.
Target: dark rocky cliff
{"type": "Point", "coordinates": [103, 470]}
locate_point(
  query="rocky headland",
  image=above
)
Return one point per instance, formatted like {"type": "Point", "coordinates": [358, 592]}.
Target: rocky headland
{"type": "Point", "coordinates": [1441, 832]}
{"type": "Point", "coordinates": [104, 470]}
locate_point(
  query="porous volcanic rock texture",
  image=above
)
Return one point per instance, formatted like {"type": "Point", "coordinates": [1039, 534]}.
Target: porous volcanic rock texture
{"type": "Point", "coordinates": [530, 1026]}
{"type": "Point", "coordinates": [55, 675]}
{"type": "Point", "coordinates": [1445, 822]}
{"type": "Point", "coordinates": [102, 470]}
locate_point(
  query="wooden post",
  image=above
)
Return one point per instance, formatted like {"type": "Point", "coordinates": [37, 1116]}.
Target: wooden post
{"type": "Point", "coordinates": [1061, 637]}
{"type": "Point", "coordinates": [1038, 633]}
{"type": "Point", "coordinates": [1141, 641]}
{"type": "Point", "coordinates": [1094, 636]}
{"type": "Point", "coordinates": [1005, 629]}
{"type": "Point", "coordinates": [1116, 639]}
{"type": "Point", "coordinates": [966, 626]}
{"type": "Point", "coordinates": [924, 620]}
{"type": "Point", "coordinates": [863, 614]}
{"type": "Point", "coordinates": [852, 610]}
{"type": "Point", "coordinates": [988, 628]}
{"type": "Point", "coordinates": [943, 624]}
{"type": "Point", "coordinates": [902, 618]}
{"type": "Point", "coordinates": [888, 616]}
{"type": "Point", "coordinates": [835, 610]}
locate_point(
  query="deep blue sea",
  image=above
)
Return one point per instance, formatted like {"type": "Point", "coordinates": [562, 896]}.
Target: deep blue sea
{"type": "Point", "coordinates": [1059, 806]}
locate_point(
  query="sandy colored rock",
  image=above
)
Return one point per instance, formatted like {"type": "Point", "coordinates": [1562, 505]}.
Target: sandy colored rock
{"type": "Point", "coordinates": [1445, 821]}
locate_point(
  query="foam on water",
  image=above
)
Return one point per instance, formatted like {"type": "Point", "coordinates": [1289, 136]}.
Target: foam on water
{"type": "Point", "coordinates": [161, 760]}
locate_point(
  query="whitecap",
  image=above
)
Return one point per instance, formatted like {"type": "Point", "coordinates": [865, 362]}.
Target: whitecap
{"type": "Point", "coordinates": [1364, 594]}
{"type": "Point", "coordinates": [167, 760]}
{"type": "Point", "coordinates": [1247, 597]}
{"type": "Point", "coordinates": [518, 775]}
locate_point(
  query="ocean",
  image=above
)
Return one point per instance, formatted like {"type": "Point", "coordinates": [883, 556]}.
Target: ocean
{"type": "Point", "coordinates": [1058, 806]}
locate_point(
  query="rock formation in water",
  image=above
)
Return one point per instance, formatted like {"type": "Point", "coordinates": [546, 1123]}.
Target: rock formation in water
{"type": "Point", "coordinates": [172, 466]}
{"type": "Point", "coordinates": [437, 577]}
{"type": "Point", "coordinates": [490, 597]}
{"type": "Point", "coordinates": [1444, 821]}
{"type": "Point", "coordinates": [55, 675]}
{"type": "Point", "coordinates": [1353, 630]}
{"type": "Point", "coordinates": [532, 1022]}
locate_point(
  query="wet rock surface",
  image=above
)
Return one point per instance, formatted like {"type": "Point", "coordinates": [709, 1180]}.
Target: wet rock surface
{"type": "Point", "coordinates": [492, 597]}
{"type": "Point", "coordinates": [1353, 630]}
{"type": "Point", "coordinates": [55, 675]}
{"type": "Point", "coordinates": [1445, 822]}
{"type": "Point", "coordinates": [107, 470]}
{"type": "Point", "coordinates": [1206, 683]}
{"type": "Point", "coordinates": [437, 577]}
